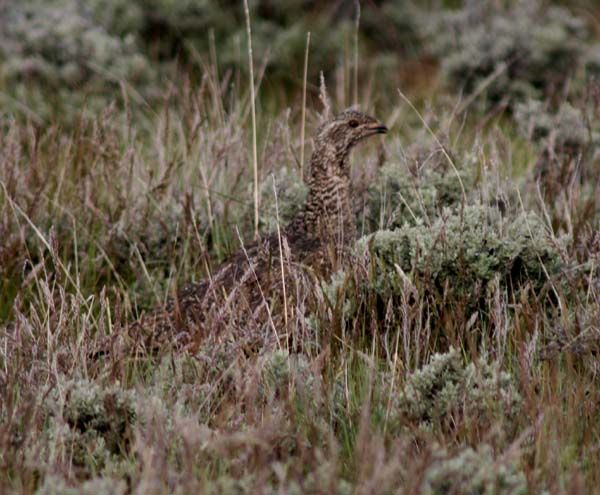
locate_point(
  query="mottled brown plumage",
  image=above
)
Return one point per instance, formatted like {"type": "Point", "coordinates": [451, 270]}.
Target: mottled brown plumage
{"type": "Point", "coordinates": [315, 239]}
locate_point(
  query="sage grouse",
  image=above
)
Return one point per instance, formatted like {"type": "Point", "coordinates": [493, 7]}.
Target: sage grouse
{"type": "Point", "coordinates": [248, 284]}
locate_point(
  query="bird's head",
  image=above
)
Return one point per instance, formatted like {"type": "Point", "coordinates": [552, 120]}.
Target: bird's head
{"type": "Point", "coordinates": [338, 136]}
{"type": "Point", "coordinates": [349, 127]}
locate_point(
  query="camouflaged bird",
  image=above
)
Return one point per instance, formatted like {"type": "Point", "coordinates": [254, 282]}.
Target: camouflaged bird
{"type": "Point", "coordinates": [315, 239]}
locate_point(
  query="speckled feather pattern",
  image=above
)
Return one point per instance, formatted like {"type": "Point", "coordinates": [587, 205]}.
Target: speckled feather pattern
{"type": "Point", "coordinates": [315, 240]}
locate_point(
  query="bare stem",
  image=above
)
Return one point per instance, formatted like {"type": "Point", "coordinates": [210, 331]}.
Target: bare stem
{"type": "Point", "coordinates": [304, 107]}
{"type": "Point", "coordinates": [356, 26]}
{"type": "Point", "coordinates": [253, 107]}
{"type": "Point", "coordinates": [285, 310]}
{"type": "Point", "coordinates": [438, 142]}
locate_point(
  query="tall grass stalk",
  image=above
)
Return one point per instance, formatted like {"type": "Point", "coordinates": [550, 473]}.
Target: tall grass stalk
{"type": "Point", "coordinates": [253, 111]}
{"type": "Point", "coordinates": [303, 119]}
{"type": "Point", "coordinates": [438, 142]}
{"type": "Point", "coordinates": [285, 304]}
{"type": "Point", "coordinates": [356, 28]}
{"type": "Point", "coordinates": [368, 380]}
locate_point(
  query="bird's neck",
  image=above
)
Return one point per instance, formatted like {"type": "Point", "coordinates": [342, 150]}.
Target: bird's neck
{"type": "Point", "coordinates": [328, 214]}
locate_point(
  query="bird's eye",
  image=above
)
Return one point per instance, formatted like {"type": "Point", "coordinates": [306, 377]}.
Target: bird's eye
{"type": "Point", "coordinates": [353, 123]}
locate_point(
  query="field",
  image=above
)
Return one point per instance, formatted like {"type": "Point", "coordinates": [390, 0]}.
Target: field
{"type": "Point", "coordinates": [457, 352]}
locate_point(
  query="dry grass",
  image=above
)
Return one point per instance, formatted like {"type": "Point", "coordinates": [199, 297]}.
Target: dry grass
{"type": "Point", "coordinates": [326, 395]}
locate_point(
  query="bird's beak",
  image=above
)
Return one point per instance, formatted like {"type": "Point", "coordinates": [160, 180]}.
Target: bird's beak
{"type": "Point", "coordinates": [378, 128]}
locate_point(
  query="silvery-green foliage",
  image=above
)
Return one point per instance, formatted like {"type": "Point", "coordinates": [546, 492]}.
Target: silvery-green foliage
{"type": "Point", "coordinates": [568, 137]}
{"type": "Point", "coordinates": [446, 390]}
{"type": "Point", "coordinates": [525, 50]}
{"type": "Point", "coordinates": [394, 25]}
{"type": "Point", "coordinates": [94, 422]}
{"type": "Point", "coordinates": [168, 27]}
{"type": "Point", "coordinates": [87, 45]}
{"type": "Point", "coordinates": [186, 380]}
{"type": "Point", "coordinates": [323, 480]}
{"type": "Point", "coordinates": [285, 377]}
{"type": "Point", "coordinates": [58, 43]}
{"type": "Point", "coordinates": [592, 61]}
{"type": "Point", "coordinates": [564, 128]}
{"type": "Point", "coordinates": [119, 17]}
{"type": "Point", "coordinates": [277, 369]}
{"type": "Point", "coordinates": [57, 59]}
{"type": "Point", "coordinates": [291, 197]}
{"type": "Point", "coordinates": [468, 246]}
{"type": "Point", "coordinates": [281, 372]}
{"type": "Point", "coordinates": [54, 485]}
{"type": "Point", "coordinates": [330, 291]}
{"type": "Point", "coordinates": [85, 449]}
{"type": "Point", "coordinates": [567, 128]}
{"type": "Point", "coordinates": [109, 411]}
{"type": "Point", "coordinates": [474, 472]}
{"type": "Point", "coordinates": [187, 16]}
{"type": "Point", "coordinates": [428, 392]}
{"type": "Point", "coordinates": [195, 385]}
{"type": "Point", "coordinates": [227, 483]}
{"type": "Point", "coordinates": [418, 187]}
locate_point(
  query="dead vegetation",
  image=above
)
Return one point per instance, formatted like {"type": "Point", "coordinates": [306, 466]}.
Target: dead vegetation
{"type": "Point", "coordinates": [456, 353]}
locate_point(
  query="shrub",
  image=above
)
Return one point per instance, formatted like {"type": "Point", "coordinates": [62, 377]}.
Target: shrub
{"type": "Point", "coordinates": [291, 197]}
{"type": "Point", "coordinates": [519, 51]}
{"type": "Point", "coordinates": [469, 247]}
{"type": "Point", "coordinates": [121, 17]}
{"type": "Point", "coordinates": [592, 61]}
{"type": "Point", "coordinates": [59, 43]}
{"type": "Point", "coordinates": [279, 370]}
{"type": "Point", "coordinates": [93, 423]}
{"type": "Point", "coordinates": [86, 48]}
{"type": "Point", "coordinates": [98, 486]}
{"type": "Point", "coordinates": [394, 26]}
{"type": "Point", "coordinates": [288, 379]}
{"type": "Point", "coordinates": [277, 30]}
{"type": "Point", "coordinates": [565, 129]}
{"type": "Point", "coordinates": [418, 187]}
{"type": "Point", "coordinates": [445, 392]}
{"type": "Point", "coordinates": [56, 45]}
{"type": "Point", "coordinates": [474, 472]}
{"type": "Point", "coordinates": [435, 282]}
{"type": "Point", "coordinates": [568, 138]}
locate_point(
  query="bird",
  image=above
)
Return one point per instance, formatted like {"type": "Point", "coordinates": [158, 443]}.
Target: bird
{"type": "Point", "coordinates": [316, 239]}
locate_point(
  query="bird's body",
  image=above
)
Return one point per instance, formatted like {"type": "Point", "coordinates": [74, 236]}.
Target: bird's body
{"type": "Point", "coordinates": [315, 240]}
